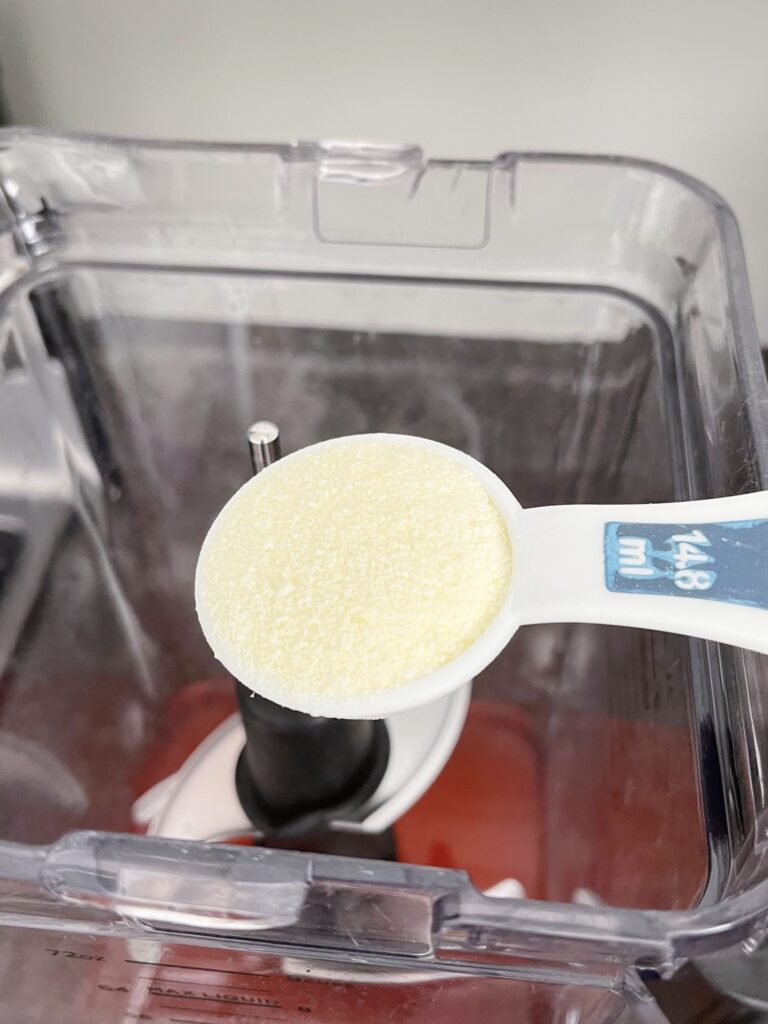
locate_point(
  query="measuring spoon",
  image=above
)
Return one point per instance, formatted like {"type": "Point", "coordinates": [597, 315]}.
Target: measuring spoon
{"type": "Point", "coordinates": [698, 568]}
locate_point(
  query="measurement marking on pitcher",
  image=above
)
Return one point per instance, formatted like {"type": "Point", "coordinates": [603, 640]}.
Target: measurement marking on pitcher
{"type": "Point", "coordinates": [237, 1016]}
{"type": "Point", "coordinates": [170, 991]}
{"type": "Point", "coordinates": [189, 1020]}
{"type": "Point", "coordinates": [190, 967]}
{"type": "Point", "coordinates": [254, 1002]}
{"type": "Point", "coordinates": [222, 1015]}
{"type": "Point", "coordinates": [227, 1014]}
{"type": "Point", "coordinates": [69, 954]}
{"type": "Point", "coordinates": [261, 995]}
{"type": "Point", "coordinates": [186, 1020]}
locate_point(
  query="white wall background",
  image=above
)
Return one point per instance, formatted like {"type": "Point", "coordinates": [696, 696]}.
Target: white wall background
{"type": "Point", "coordinates": [680, 81]}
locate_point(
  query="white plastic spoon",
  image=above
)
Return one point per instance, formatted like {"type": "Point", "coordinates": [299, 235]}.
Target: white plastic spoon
{"type": "Point", "coordinates": [698, 568]}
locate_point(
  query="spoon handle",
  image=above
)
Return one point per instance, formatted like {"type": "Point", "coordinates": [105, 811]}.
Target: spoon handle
{"type": "Point", "coordinates": [699, 568]}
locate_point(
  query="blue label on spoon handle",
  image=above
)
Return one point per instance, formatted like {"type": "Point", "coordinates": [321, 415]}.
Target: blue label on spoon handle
{"type": "Point", "coordinates": [716, 561]}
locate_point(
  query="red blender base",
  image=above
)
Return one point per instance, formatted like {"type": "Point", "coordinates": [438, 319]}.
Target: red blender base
{"type": "Point", "coordinates": [481, 814]}
{"type": "Point", "coordinates": [488, 786]}
{"type": "Point", "coordinates": [189, 716]}
{"type": "Point", "coordinates": [628, 797]}
{"type": "Point", "coordinates": [486, 812]}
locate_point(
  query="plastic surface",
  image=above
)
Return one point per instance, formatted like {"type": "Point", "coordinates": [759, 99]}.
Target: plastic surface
{"type": "Point", "coordinates": [583, 328]}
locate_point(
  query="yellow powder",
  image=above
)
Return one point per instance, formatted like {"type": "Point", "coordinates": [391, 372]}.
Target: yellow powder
{"type": "Point", "coordinates": [352, 568]}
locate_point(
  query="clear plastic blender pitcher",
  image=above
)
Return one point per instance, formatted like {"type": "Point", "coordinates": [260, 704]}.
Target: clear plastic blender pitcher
{"type": "Point", "coordinates": [580, 325]}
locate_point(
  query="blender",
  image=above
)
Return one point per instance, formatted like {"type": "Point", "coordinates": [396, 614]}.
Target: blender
{"type": "Point", "coordinates": [585, 819]}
